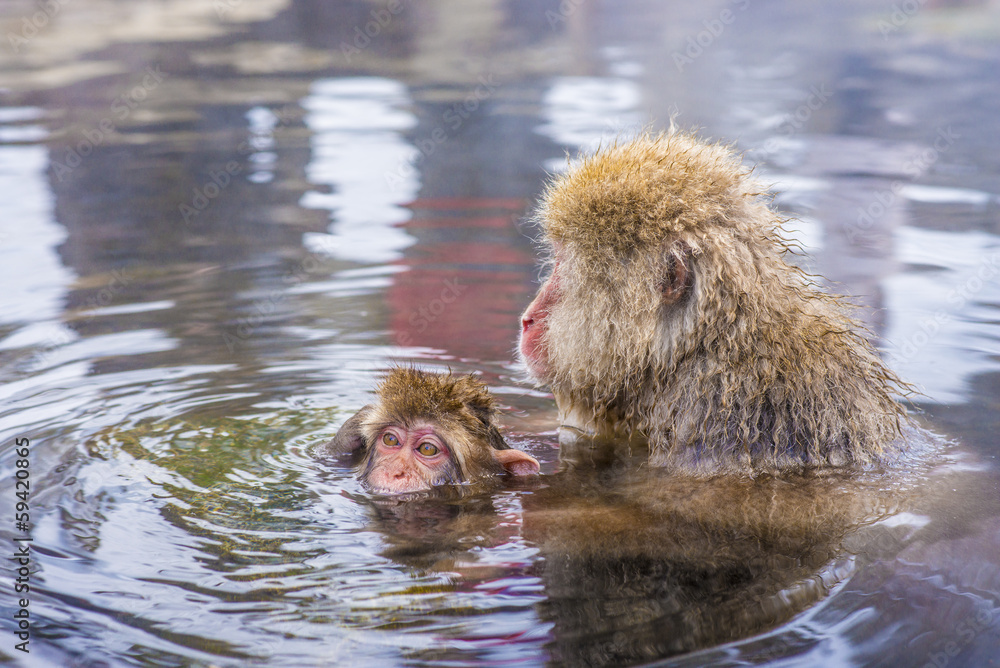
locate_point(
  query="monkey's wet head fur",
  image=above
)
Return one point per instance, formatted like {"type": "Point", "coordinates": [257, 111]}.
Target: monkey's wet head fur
{"type": "Point", "coordinates": [461, 406]}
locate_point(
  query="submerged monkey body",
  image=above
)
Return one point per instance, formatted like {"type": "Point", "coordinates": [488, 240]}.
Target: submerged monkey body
{"type": "Point", "coordinates": [672, 313]}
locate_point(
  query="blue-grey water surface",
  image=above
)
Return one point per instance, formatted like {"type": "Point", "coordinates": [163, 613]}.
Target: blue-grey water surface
{"type": "Point", "coordinates": [221, 220]}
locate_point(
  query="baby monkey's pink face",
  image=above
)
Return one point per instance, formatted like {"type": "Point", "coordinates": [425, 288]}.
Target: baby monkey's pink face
{"type": "Point", "coordinates": [410, 460]}
{"type": "Point", "coordinates": [426, 430]}
{"type": "Point", "coordinates": [415, 458]}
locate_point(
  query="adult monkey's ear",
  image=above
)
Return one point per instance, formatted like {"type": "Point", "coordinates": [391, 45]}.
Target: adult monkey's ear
{"type": "Point", "coordinates": [678, 276]}
{"type": "Point", "coordinates": [349, 439]}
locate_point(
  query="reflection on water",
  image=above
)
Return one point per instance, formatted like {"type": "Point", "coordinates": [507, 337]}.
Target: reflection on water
{"type": "Point", "coordinates": [357, 150]}
{"type": "Point", "coordinates": [204, 271]}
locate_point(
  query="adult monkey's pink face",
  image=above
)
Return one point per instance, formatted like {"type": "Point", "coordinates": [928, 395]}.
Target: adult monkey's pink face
{"type": "Point", "coordinates": [533, 345]}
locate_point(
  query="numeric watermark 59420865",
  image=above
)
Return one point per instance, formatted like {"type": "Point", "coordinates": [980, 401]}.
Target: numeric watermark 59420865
{"type": "Point", "coordinates": [22, 543]}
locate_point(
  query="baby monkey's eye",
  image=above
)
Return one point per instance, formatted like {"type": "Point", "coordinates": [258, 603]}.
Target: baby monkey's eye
{"type": "Point", "coordinates": [427, 449]}
{"type": "Point", "coordinates": [390, 439]}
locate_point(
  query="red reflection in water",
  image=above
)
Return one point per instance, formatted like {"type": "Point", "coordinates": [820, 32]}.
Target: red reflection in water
{"type": "Point", "coordinates": [465, 286]}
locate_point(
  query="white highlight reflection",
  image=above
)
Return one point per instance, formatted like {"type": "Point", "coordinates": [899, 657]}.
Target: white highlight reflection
{"type": "Point", "coordinates": [941, 329]}
{"type": "Point", "coordinates": [357, 126]}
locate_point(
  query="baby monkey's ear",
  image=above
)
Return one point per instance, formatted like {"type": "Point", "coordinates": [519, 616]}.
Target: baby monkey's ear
{"type": "Point", "coordinates": [516, 462]}
{"type": "Point", "coordinates": [350, 437]}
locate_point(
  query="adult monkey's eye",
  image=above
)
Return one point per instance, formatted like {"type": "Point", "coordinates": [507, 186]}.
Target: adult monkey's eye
{"type": "Point", "coordinates": [427, 449]}
{"type": "Point", "coordinates": [388, 438]}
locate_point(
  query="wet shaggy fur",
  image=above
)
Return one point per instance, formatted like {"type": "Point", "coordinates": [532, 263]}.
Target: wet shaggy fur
{"type": "Point", "coordinates": [460, 406]}
{"type": "Point", "coordinates": [754, 369]}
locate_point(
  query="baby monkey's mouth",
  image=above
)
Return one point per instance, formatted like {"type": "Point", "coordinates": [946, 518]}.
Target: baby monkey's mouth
{"type": "Point", "coordinates": [381, 497]}
{"type": "Point", "coordinates": [386, 498]}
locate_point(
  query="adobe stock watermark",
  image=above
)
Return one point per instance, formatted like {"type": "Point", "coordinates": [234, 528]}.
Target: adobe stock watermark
{"type": "Point", "coordinates": [361, 39]}
{"type": "Point", "coordinates": [220, 179]}
{"type": "Point", "coordinates": [566, 9]}
{"type": "Point", "coordinates": [223, 7]}
{"type": "Point", "coordinates": [35, 23]}
{"type": "Point", "coordinates": [792, 122]}
{"type": "Point", "coordinates": [209, 190]}
{"type": "Point", "coordinates": [818, 96]}
{"type": "Point", "coordinates": [121, 108]}
{"type": "Point", "coordinates": [421, 318]}
{"type": "Point", "coordinates": [964, 633]}
{"type": "Point", "coordinates": [22, 555]}
{"type": "Point", "coordinates": [454, 118]}
{"type": "Point", "coordinates": [120, 281]}
{"type": "Point", "coordinates": [868, 215]}
{"type": "Point", "coordinates": [900, 15]}
{"type": "Point", "coordinates": [338, 649]}
{"type": "Point", "coordinates": [267, 305]}
{"type": "Point", "coordinates": [958, 297]}
{"type": "Point", "coordinates": [714, 27]}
